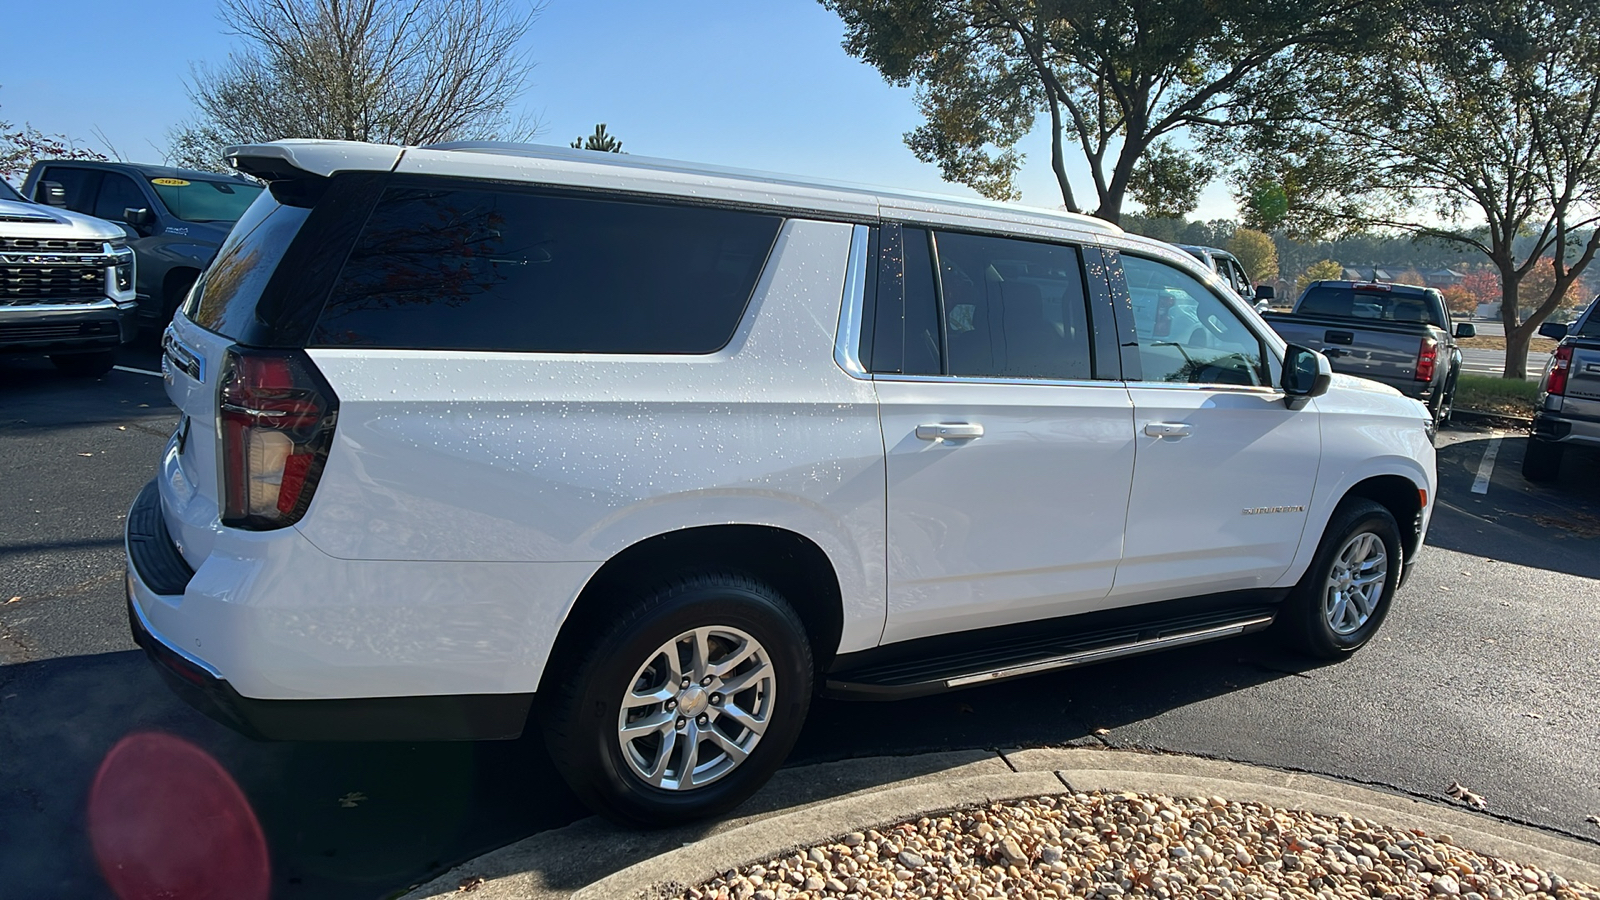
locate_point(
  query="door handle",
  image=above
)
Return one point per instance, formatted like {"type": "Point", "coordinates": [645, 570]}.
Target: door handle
{"type": "Point", "coordinates": [1168, 429]}
{"type": "Point", "coordinates": [959, 431]}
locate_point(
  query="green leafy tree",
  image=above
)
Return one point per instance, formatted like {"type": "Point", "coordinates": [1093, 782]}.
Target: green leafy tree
{"type": "Point", "coordinates": [1325, 270]}
{"type": "Point", "coordinates": [600, 140]}
{"type": "Point", "coordinates": [1121, 81]}
{"type": "Point", "coordinates": [1480, 127]}
{"type": "Point", "coordinates": [1256, 252]}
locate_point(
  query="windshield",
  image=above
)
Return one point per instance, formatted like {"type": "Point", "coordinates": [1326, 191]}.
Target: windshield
{"type": "Point", "coordinates": [205, 201]}
{"type": "Point", "coordinates": [7, 192]}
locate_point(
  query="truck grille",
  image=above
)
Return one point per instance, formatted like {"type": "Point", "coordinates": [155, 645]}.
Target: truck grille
{"type": "Point", "coordinates": [39, 334]}
{"type": "Point", "coordinates": [51, 270]}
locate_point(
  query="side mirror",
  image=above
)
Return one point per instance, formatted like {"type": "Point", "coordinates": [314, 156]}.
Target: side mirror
{"type": "Point", "coordinates": [1555, 331]}
{"type": "Point", "coordinates": [1263, 305]}
{"type": "Point", "coordinates": [138, 218]}
{"type": "Point", "coordinates": [1265, 292]}
{"type": "Point", "coordinates": [51, 193]}
{"type": "Point", "coordinates": [1306, 374]}
{"type": "Point", "coordinates": [1466, 330]}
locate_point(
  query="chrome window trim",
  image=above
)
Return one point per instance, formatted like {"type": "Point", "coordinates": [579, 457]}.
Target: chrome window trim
{"type": "Point", "coordinates": [989, 379]}
{"type": "Point", "coordinates": [847, 346]}
{"type": "Point", "coordinates": [1264, 390]}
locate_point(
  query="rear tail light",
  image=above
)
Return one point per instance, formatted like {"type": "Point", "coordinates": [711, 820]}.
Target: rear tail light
{"type": "Point", "coordinates": [1555, 381]}
{"type": "Point", "coordinates": [277, 416]}
{"type": "Point", "coordinates": [1427, 359]}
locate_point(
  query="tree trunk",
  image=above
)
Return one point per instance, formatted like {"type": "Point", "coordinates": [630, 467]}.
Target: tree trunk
{"type": "Point", "coordinates": [1057, 163]}
{"type": "Point", "coordinates": [1517, 335]}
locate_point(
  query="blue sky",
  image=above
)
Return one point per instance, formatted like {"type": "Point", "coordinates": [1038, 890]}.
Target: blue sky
{"type": "Point", "coordinates": [761, 85]}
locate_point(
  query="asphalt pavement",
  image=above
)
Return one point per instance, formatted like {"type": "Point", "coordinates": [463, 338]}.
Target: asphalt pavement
{"type": "Point", "coordinates": [1483, 674]}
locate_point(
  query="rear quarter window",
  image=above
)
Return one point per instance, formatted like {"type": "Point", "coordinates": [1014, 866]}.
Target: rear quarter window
{"type": "Point", "coordinates": [484, 269]}
{"type": "Point", "coordinates": [225, 299]}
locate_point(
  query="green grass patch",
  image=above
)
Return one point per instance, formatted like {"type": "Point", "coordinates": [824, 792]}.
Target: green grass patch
{"type": "Point", "coordinates": [1505, 396]}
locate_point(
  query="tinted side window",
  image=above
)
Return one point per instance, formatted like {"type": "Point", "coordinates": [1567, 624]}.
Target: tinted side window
{"type": "Point", "coordinates": [78, 183]}
{"type": "Point", "coordinates": [1013, 308]}
{"type": "Point", "coordinates": [225, 300]}
{"type": "Point", "coordinates": [117, 193]}
{"type": "Point", "coordinates": [466, 269]}
{"type": "Point", "coordinates": [1186, 333]}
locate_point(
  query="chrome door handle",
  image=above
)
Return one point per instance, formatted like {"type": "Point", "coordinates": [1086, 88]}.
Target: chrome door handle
{"type": "Point", "coordinates": [959, 431]}
{"type": "Point", "coordinates": [1168, 429]}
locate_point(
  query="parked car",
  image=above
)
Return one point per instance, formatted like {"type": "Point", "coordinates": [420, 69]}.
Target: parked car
{"type": "Point", "coordinates": [1569, 396]}
{"type": "Point", "coordinates": [481, 436]}
{"type": "Point", "coordinates": [66, 285]}
{"type": "Point", "coordinates": [1232, 272]}
{"type": "Point", "coordinates": [1401, 335]}
{"type": "Point", "coordinates": [174, 219]}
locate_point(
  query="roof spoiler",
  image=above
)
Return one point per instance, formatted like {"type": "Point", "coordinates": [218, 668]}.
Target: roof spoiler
{"type": "Point", "coordinates": [295, 159]}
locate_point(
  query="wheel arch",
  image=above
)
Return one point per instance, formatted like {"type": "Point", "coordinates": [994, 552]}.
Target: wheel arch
{"type": "Point", "coordinates": [790, 562]}
{"type": "Point", "coordinates": [1399, 495]}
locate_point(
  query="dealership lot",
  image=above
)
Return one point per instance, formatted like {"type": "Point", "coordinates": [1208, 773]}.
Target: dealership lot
{"type": "Point", "coordinates": [1482, 675]}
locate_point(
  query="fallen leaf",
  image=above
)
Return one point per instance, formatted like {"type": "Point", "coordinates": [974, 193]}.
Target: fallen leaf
{"type": "Point", "coordinates": [1443, 588]}
{"type": "Point", "coordinates": [1533, 715]}
{"type": "Point", "coordinates": [1102, 732]}
{"type": "Point", "coordinates": [1593, 820]}
{"type": "Point", "coordinates": [144, 406]}
{"type": "Point", "coordinates": [122, 428]}
{"type": "Point", "coordinates": [13, 599]}
{"type": "Point", "coordinates": [349, 801]}
{"type": "Point", "coordinates": [470, 883]}
{"type": "Point", "coordinates": [85, 454]}
{"type": "Point", "coordinates": [1465, 796]}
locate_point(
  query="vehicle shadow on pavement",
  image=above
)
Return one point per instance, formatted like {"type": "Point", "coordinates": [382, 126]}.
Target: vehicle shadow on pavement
{"type": "Point", "coordinates": [1554, 526]}
{"type": "Point", "coordinates": [364, 820]}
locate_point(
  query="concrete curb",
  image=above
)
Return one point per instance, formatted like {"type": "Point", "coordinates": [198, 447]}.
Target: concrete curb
{"type": "Point", "coordinates": [665, 862]}
{"type": "Point", "coordinates": [1479, 417]}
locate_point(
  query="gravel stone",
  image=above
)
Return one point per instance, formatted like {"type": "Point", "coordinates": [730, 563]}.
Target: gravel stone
{"type": "Point", "coordinates": [1129, 845]}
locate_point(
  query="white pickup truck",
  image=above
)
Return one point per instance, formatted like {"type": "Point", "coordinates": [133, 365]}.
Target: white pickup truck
{"type": "Point", "coordinates": [66, 285]}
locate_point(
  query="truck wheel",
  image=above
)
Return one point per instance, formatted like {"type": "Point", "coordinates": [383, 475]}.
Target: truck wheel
{"type": "Point", "coordinates": [85, 364]}
{"type": "Point", "coordinates": [1345, 594]}
{"type": "Point", "coordinates": [684, 704]}
{"type": "Point", "coordinates": [1541, 461]}
{"type": "Point", "coordinates": [1441, 415]}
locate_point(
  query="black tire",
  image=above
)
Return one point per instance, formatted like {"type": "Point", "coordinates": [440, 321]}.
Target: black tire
{"type": "Point", "coordinates": [1304, 619]}
{"type": "Point", "coordinates": [581, 700]}
{"type": "Point", "coordinates": [1447, 402]}
{"type": "Point", "coordinates": [85, 364]}
{"type": "Point", "coordinates": [1541, 460]}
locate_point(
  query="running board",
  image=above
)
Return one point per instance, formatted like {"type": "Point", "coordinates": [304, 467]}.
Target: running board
{"type": "Point", "coordinates": [989, 662]}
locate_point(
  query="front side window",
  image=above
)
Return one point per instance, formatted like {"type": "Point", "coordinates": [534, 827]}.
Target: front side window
{"type": "Point", "coordinates": [500, 269]}
{"type": "Point", "coordinates": [1013, 308]}
{"type": "Point", "coordinates": [1187, 334]}
{"type": "Point", "coordinates": [117, 193]}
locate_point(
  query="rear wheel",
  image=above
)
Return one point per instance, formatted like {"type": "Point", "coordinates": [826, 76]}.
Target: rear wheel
{"type": "Point", "coordinates": [85, 364]}
{"type": "Point", "coordinates": [1447, 402]}
{"type": "Point", "coordinates": [684, 705]}
{"type": "Point", "coordinates": [1542, 460]}
{"type": "Point", "coordinates": [1344, 596]}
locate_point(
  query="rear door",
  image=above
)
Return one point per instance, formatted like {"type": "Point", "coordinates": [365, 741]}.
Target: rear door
{"type": "Point", "coordinates": [1009, 451]}
{"type": "Point", "coordinates": [1224, 471]}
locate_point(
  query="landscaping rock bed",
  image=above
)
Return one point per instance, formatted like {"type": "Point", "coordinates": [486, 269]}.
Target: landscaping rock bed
{"type": "Point", "coordinates": [1116, 845]}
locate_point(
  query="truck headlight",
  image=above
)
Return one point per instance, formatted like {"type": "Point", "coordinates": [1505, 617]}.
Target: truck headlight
{"type": "Point", "coordinates": [124, 266]}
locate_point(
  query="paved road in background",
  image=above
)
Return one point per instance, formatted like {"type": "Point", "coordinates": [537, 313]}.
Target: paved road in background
{"type": "Point", "coordinates": [1493, 362]}
{"type": "Point", "coordinates": [1484, 673]}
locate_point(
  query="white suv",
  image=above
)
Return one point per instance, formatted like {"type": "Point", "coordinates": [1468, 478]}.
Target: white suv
{"type": "Point", "coordinates": [476, 436]}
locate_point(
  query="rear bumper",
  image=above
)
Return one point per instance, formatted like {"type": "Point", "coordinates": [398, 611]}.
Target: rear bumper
{"type": "Point", "coordinates": [52, 327]}
{"type": "Point", "coordinates": [157, 573]}
{"type": "Point", "coordinates": [1558, 428]}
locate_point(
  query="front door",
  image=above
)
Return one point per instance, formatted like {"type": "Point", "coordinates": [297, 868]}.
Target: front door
{"type": "Point", "coordinates": [1224, 470]}
{"type": "Point", "coordinates": [1008, 461]}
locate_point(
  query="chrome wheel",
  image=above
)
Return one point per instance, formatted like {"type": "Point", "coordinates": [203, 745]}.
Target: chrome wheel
{"type": "Point", "coordinates": [1355, 583]}
{"type": "Point", "coordinates": [697, 708]}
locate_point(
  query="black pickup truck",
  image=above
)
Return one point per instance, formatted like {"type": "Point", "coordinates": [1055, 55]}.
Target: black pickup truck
{"type": "Point", "coordinates": [175, 219]}
{"type": "Point", "coordinates": [1569, 396]}
{"type": "Point", "coordinates": [1398, 334]}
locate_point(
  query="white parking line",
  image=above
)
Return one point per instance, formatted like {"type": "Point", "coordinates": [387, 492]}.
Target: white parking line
{"type": "Point", "coordinates": [138, 371]}
{"type": "Point", "coordinates": [1480, 485]}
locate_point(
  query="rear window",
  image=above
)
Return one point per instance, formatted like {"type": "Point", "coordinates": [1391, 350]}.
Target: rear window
{"type": "Point", "coordinates": [1591, 324]}
{"type": "Point", "coordinates": [474, 269]}
{"type": "Point", "coordinates": [205, 201]}
{"type": "Point", "coordinates": [1366, 303]}
{"type": "Point", "coordinates": [225, 299]}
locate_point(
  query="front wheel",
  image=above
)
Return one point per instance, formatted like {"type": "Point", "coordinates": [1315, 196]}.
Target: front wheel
{"type": "Point", "coordinates": [684, 705]}
{"type": "Point", "coordinates": [1344, 596]}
